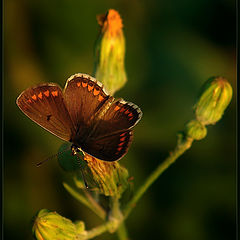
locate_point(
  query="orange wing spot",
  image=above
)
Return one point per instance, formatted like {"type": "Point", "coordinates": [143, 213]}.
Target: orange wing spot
{"type": "Point", "coordinates": [130, 115]}
{"type": "Point", "coordinates": [122, 109]}
{"type": "Point", "coordinates": [29, 100]}
{"type": "Point", "coordinates": [130, 118]}
{"type": "Point", "coordinates": [46, 93]}
{"type": "Point", "coordinates": [90, 88]}
{"type": "Point", "coordinates": [84, 84]}
{"type": "Point", "coordinates": [100, 98]}
{"type": "Point", "coordinates": [116, 109]}
{"type": "Point", "coordinates": [120, 144]}
{"type": "Point", "coordinates": [119, 149]}
{"type": "Point", "coordinates": [127, 112]}
{"type": "Point", "coordinates": [122, 139]}
{"type": "Point", "coordinates": [34, 97]}
{"type": "Point", "coordinates": [96, 92]}
{"type": "Point", "coordinates": [40, 95]}
{"type": "Point", "coordinates": [121, 135]}
{"type": "Point", "coordinates": [78, 84]}
{"type": "Point", "coordinates": [55, 93]}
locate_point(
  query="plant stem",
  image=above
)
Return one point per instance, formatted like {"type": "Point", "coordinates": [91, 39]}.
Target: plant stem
{"type": "Point", "coordinates": [98, 230]}
{"type": "Point", "coordinates": [181, 147]}
{"type": "Point", "coordinates": [101, 212]}
{"type": "Point", "coordinates": [122, 231]}
{"type": "Point", "coordinates": [94, 207]}
{"type": "Point", "coordinates": [117, 214]}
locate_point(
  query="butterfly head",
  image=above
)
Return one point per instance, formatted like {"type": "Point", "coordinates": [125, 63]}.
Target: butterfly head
{"type": "Point", "coordinates": [75, 149]}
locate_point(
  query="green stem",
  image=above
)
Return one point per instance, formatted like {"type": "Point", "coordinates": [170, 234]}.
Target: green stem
{"type": "Point", "coordinates": [117, 214]}
{"type": "Point", "coordinates": [98, 230]}
{"type": "Point", "coordinates": [89, 203]}
{"type": "Point", "coordinates": [101, 212]}
{"type": "Point", "coordinates": [107, 226]}
{"type": "Point", "coordinates": [122, 231]}
{"type": "Point", "coordinates": [115, 210]}
{"type": "Point", "coordinates": [182, 146]}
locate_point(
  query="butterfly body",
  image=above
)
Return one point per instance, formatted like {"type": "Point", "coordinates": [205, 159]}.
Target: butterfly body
{"type": "Point", "coordinates": [83, 114]}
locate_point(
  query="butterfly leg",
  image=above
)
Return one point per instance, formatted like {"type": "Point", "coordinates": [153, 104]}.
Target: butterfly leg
{"type": "Point", "coordinates": [75, 151]}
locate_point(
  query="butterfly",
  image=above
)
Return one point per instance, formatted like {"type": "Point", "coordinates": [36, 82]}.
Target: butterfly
{"type": "Point", "coordinates": [84, 114]}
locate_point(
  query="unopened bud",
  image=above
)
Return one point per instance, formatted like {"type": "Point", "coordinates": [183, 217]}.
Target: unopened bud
{"type": "Point", "coordinates": [110, 52]}
{"type": "Point", "coordinates": [214, 99]}
{"type": "Point", "coordinates": [110, 178]}
{"type": "Point", "coordinates": [195, 130]}
{"type": "Point", "coordinates": [52, 226]}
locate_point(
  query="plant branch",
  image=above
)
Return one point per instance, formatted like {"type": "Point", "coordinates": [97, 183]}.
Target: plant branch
{"type": "Point", "coordinates": [101, 212]}
{"type": "Point", "coordinates": [98, 230]}
{"type": "Point", "coordinates": [87, 202]}
{"type": "Point", "coordinates": [122, 231]}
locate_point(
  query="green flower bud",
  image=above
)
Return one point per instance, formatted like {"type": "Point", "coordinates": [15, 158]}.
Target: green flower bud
{"type": "Point", "coordinates": [214, 99]}
{"type": "Point", "coordinates": [196, 130]}
{"type": "Point", "coordinates": [110, 52]}
{"type": "Point", "coordinates": [109, 178]}
{"type": "Point", "coordinates": [52, 226]}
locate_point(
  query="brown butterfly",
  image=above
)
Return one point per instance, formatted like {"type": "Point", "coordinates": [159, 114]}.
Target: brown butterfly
{"type": "Point", "coordinates": [83, 114]}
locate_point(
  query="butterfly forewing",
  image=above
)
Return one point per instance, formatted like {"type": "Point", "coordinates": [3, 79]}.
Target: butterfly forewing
{"type": "Point", "coordinates": [84, 96]}
{"type": "Point", "coordinates": [45, 105]}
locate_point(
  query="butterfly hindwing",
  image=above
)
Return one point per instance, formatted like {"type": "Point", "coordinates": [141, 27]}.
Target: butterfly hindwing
{"type": "Point", "coordinates": [121, 115]}
{"type": "Point", "coordinates": [45, 105]}
{"type": "Point", "coordinates": [111, 147]}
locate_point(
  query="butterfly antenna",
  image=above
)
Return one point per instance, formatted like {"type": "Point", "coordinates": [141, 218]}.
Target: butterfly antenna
{"type": "Point", "coordinates": [81, 170]}
{"type": "Point", "coordinates": [51, 157]}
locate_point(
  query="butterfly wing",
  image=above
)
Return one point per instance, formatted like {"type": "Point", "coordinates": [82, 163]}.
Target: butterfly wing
{"type": "Point", "coordinates": [112, 134]}
{"type": "Point", "coordinates": [99, 119]}
{"type": "Point", "coordinates": [84, 96]}
{"type": "Point", "coordinates": [109, 148]}
{"type": "Point", "coordinates": [121, 115]}
{"type": "Point", "coordinates": [45, 105]}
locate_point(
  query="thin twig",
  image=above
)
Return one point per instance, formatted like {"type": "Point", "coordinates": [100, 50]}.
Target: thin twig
{"type": "Point", "coordinates": [102, 213]}
{"type": "Point", "coordinates": [96, 209]}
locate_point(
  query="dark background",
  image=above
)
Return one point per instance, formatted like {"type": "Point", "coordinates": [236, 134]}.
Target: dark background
{"type": "Point", "coordinates": [172, 47]}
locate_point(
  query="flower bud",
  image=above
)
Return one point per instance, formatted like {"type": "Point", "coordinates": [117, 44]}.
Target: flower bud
{"type": "Point", "coordinates": [110, 52]}
{"type": "Point", "coordinates": [214, 99]}
{"type": "Point", "coordinates": [52, 226]}
{"type": "Point", "coordinates": [196, 130]}
{"type": "Point", "coordinates": [109, 178]}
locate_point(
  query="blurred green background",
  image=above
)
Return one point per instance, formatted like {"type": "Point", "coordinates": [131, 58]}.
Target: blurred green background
{"type": "Point", "coordinates": [172, 47]}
